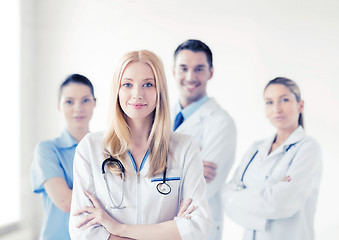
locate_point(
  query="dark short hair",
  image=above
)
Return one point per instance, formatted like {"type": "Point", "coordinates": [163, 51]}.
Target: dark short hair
{"type": "Point", "coordinates": [195, 46]}
{"type": "Point", "coordinates": [79, 79]}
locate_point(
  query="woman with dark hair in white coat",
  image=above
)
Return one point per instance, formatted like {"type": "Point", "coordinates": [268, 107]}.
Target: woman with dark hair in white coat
{"type": "Point", "coordinates": [274, 191]}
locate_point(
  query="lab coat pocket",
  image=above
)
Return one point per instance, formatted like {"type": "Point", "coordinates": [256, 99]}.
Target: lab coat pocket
{"type": "Point", "coordinates": [168, 187]}
{"type": "Point", "coordinates": [166, 194]}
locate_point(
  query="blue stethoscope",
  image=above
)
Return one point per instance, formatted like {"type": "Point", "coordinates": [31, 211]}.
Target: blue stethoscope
{"type": "Point", "coordinates": [163, 188]}
{"type": "Point", "coordinates": [241, 185]}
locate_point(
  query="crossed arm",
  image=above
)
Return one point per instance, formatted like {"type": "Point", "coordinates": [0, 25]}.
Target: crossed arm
{"type": "Point", "coordinates": [97, 215]}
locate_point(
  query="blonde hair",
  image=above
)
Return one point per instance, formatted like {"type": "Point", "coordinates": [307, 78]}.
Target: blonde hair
{"type": "Point", "coordinates": [117, 136]}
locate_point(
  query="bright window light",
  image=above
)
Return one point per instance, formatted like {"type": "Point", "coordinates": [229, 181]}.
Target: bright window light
{"type": "Point", "coordinates": [9, 105]}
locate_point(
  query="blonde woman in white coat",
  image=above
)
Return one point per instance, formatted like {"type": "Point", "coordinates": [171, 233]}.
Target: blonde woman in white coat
{"type": "Point", "coordinates": [274, 191]}
{"type": "Point", "coordinates": [130, 181]}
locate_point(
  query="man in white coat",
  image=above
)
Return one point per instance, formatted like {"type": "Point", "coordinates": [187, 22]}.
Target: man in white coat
{"type": "Point", "coordinates": [200, 116]}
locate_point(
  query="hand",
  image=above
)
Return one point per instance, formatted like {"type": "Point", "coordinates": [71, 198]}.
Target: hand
{"type": "Point", "coordinates": [184, 211]}
{"type": "Point", "coordinates": [210, 171]}
{"type": "Point", "coordinates": [96, 215]}
{"type": "Point", "coordinates": [286, 179]}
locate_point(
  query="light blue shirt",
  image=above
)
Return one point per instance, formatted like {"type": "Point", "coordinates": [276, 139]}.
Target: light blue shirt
{"type": "Point", "coordinates": [53, 158]}
{"type": "Point", "coordinates": [190, 109]}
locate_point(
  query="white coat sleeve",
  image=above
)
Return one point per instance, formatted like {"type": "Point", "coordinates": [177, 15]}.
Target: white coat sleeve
{"type": "Point", "coordinates": [83, 180]}
{"type": "Point", "coordinates": [284, 199]}
{"type": "Point", "coordinates": [219, 145]}
{"type": "Point", "coordinates": [194, 186]}
{"type": "Point", "coordinates": [236, 212]}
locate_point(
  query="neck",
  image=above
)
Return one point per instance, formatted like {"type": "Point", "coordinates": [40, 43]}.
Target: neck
{"type": "Point", "coordinates": [78, 133]}
{"type": "Point", "coordinates": [282, 135]}
{"type": "Point", "coordinates": [140, 130]}
{"type": "Point", "coordinates": [184, 102]}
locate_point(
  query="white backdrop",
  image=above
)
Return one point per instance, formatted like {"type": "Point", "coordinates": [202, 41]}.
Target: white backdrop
{"type": "Point", "coordinates": [252, 42]}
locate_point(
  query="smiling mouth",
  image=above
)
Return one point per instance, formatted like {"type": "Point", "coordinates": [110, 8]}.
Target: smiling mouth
{"type": "Point", "coordinates": [137, 105]}
{"type": "Point", "coordinates": [191, 86]}
{"type": "Point", "coordinates": [79, 118]}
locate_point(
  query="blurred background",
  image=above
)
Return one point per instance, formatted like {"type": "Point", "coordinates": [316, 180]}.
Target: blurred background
{"type": "Point", "coordinates": [253, 41]}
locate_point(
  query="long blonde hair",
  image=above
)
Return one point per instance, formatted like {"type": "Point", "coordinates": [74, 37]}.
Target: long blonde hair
{"type": "Point", "coordinates": [118, 136]}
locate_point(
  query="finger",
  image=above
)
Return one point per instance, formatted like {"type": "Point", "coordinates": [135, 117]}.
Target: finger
{"type": "Point", "coordinates": [209, 173]}
{"type": "Point", "coordinates": [84, 220]}
{"type": "Point", "coordinates": [184, 206]}
{"type": "Point", "coordinates": [210, 164]}
{"type": "Point", "coordinates": [86, 209]}
{"type": "Point", "coordinates": [209, 176]}
{"type": "Point", "coordinates": [91, 223]}
{"type": "Point", "coordinates": [92, 199]}
{"type": "Point", "coordinates": [190, 210]}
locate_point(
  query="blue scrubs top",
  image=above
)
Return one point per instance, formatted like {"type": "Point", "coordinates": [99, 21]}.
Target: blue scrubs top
{"type": "Point", "coordinates": [53, 158]}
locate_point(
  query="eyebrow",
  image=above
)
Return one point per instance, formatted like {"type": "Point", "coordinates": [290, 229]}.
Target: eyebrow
{"type": "Point", "coordinates": [199, 65]}
{"type": "Point", "coordinates": [146, 79]}
{"type": "Point", "coordinates": [284, 95]}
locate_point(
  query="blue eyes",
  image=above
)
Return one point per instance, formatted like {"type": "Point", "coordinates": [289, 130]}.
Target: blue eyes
{"type": "Point", "coordinates": [147, 85]}
{"type": "Point", "coordinates": [195, 70]}
{"type": "Point", "coordinates": [127, 85]}
{"type": "Point", "coordinates": [71, 102]}
{"type": "Point", "coordinates": [284, 100]}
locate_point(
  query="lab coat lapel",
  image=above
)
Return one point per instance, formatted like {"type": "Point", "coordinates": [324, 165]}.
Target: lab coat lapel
{"type": "Point", "coordinates": [197, 117]}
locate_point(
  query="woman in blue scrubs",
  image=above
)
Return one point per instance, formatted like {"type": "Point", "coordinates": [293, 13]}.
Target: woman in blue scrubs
{"type": "Point", "coordinates": [52, 168]}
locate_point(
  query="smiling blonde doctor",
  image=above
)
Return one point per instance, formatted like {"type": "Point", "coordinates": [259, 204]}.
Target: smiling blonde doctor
{"type": "Point", "coordinates": [274, 191]}
{"type": "Point", "coordinates": [130, 181]}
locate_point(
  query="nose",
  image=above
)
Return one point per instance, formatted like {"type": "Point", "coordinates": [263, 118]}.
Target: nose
{"type": "Point", "coordinates": [137, 93]}
{"type": "Point", "coordinates": [277, 107]}
{"type": "Point", "coordinates": [78, 106]}
{"type": "Point", "coordinates": [189, 75]}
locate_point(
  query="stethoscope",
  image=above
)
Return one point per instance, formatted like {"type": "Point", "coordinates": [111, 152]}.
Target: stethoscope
{"type": "Point", "coordinates": [163, 188]}
{"type": "Point", "coordinates": [241, 185]}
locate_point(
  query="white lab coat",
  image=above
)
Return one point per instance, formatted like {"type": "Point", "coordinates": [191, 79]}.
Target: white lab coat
{"type": "Point", "coordinates": [215, 131]}
{"type": "Point", "coordinates": [145, 205]}
{"type": "Point", "coordinates": [277, 209]}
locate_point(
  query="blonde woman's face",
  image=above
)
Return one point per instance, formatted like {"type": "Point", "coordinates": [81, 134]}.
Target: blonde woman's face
{"type": "Point", "coordinates": [77, 105]}
{"type": "Point", "coordinates": [137, 93]}
{"type": "Point", "coordinates": [282, 107]}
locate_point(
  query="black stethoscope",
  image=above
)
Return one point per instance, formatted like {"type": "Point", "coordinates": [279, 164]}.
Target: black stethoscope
{"type": "Point", "coordinates": [241, 185]}
{"type": "Point", "coordinates": [163, 187]}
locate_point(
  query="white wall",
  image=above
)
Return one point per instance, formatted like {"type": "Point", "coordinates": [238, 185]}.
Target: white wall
{"type": "Point", "coordinates": [252, 42]}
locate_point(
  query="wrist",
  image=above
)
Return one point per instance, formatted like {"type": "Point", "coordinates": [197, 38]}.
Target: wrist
{"type": "Point", "coordinates": [121, 230]}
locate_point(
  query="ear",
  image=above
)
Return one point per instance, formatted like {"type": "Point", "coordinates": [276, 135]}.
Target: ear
{"type": "Point", "coordinates": [58, 105]}
{"type": "Point", "coordinates": [301, 106]}
{"type": "Point", "coordinates": [211, 72]}
{"type": "Point", "coordinates": [173, 69]}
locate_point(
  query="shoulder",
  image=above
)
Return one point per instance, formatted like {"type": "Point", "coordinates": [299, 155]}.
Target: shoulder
{"type": "Point", "coordinates": [310, 144]}
{"type": "Point", "coordinates": [46, 146]}
{"type": "Point", "coordinates": [214, 112]}
{"type": "Point", "coordinates": [181, 141]}
{"type": "Point", "coordinates": [92, 138]}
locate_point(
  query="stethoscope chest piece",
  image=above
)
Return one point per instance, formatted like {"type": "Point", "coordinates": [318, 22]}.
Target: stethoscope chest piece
{"type": "Point", "coordinates": [163, 188]}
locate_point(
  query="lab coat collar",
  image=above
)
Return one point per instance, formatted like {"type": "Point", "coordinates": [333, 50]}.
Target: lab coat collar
{"type": "Point", "coordinates": [66, 140]}
{"type": "Point", "coordinates": [205, 110]}
{"type": "Point", "coordinates": [296, 136]}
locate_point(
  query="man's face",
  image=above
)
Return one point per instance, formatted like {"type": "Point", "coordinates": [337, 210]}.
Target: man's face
{"type": "Point", "coordinates": [191, 71]}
